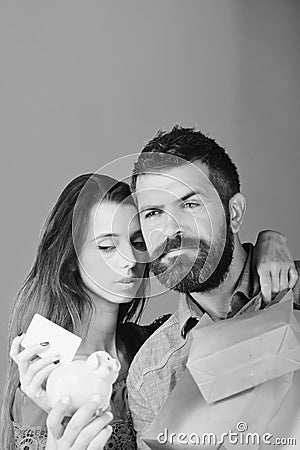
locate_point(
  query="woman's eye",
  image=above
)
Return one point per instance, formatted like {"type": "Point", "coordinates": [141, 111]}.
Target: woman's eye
{"type": "Point", "coordinates": [106, 248]}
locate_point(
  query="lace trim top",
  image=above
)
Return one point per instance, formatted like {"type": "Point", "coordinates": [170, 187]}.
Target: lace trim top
{"type": "Point", "coordinates": [31, 434]}
{"type": "Point", "coordinates": [35, 438]}
{"type": "Point", "coordinates": [30, 438]}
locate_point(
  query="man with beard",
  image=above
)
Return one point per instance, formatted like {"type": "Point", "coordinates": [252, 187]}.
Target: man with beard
{"type": "Point", "coordinates": [191, 210]}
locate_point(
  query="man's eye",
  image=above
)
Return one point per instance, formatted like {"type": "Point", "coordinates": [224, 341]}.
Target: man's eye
{"type": "Point", "coordinates": [106, 248]}
{"type": "Point", "coordinates": [139, 245]}
{"type": "Point", "coordinates": [191, 205]}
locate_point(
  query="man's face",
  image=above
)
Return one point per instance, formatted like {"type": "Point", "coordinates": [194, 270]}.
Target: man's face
{"type": "Point", "coordinates": [184, 226]}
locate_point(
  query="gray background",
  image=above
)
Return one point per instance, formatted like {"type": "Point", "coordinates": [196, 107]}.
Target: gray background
{"type": "Point", "coordinates": [85, 82]}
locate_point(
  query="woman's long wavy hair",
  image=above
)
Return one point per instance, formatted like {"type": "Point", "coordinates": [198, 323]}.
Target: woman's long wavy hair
{"type": "Point", "coordinates": [54, 287]}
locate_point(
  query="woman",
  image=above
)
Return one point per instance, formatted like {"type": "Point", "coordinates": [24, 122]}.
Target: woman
{"type": "Point", "coordinates": [89, 276]}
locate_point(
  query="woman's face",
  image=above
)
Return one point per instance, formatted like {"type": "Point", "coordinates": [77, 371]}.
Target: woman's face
{"type": "Point", "coordinates": [111, 259]}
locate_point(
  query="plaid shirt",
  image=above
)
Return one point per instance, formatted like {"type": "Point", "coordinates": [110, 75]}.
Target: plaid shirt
{"type": "Point", "coordinates": [159, 364]}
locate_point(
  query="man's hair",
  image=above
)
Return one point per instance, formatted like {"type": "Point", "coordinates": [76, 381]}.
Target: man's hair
{"type": "Point", "coordinates": [187, 144]}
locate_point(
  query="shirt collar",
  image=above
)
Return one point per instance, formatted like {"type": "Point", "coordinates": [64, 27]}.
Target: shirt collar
{"type": "Point", "coordinates": [188, 309]}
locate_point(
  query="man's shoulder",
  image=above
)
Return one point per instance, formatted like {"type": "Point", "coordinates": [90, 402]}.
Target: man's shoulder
{"type": "Point", "coordinates": [296, 288]}
{"type": "Point", "coordinates": [156, 350]}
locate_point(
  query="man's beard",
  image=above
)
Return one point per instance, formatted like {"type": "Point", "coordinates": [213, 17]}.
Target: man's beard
{"type": "Point", "coordinates": [202, 272]}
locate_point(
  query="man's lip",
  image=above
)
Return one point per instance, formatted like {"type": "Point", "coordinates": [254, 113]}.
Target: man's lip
{"type": "Point", "coordinates": [178, 250]}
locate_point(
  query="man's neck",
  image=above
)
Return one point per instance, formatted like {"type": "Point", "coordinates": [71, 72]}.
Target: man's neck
{"type": "Point", "coordinates": [217, 303]}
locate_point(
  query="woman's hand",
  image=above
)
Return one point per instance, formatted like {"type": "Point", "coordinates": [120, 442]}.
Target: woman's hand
{"type": "Point", "coordinates": [274, 264]}
{"type": "Point", "coordinates": [33, 372]}
{"type": "Point", "coordinates": [87, 429]}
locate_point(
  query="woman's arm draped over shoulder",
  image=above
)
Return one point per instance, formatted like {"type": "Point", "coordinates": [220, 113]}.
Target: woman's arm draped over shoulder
{"type": "Point", "coordinates": [273, 264]}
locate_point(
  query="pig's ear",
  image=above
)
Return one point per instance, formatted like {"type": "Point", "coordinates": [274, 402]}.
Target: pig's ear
{"type": "Point", "coordinates": [118, 365]}
{"type": "Point", "coordinates": [93, 361]}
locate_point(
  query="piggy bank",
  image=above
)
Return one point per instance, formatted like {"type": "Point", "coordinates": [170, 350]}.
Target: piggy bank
{"type": "Point", "coordinates": [80, 379]}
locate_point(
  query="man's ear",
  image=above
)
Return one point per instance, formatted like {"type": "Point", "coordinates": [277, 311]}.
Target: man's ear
{"type": "Point", "coordinates": [237, 209]}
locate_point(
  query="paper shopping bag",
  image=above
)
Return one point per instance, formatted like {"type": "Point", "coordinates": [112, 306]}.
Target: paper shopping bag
{"type": "Point", "coordinates": [271, 407]}
{"type": "Point", "coordinates": [284, 428]}
{"type": "Point", "coordinates": [187, 421]}
{"type": "Point", "coordinates": [233, 355]}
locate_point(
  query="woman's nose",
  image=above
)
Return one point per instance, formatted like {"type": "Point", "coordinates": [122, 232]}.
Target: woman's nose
{"type": "Point", "coordinates": [128, 257]}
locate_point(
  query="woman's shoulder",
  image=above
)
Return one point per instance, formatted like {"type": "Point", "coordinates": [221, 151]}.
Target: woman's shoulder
{"type": "Point", "coordinates": [157, 323]}
{"type": "Point", "coordinates": [134, 335]}
{"type": "Point", "coordinates": [145, 329]}
{"type": "Point", "coordinates": [142, 332]}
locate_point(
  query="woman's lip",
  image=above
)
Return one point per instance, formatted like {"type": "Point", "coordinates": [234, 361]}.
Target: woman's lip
{"type": "Point", "coordinates": [127, 280]}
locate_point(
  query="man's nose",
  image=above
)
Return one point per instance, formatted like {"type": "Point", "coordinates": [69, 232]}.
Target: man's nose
{"type": "Point", "coordinates": [171, 226]}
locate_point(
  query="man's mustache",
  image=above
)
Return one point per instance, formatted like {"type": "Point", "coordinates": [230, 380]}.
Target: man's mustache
{"type": "Point", "coordinates": [178, 242]}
